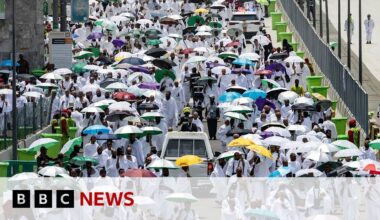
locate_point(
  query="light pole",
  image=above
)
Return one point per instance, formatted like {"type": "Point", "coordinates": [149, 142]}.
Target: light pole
{"type": "Point", "coordinates": [349, 34]}
{"type": "Point", "coordinates": [14, 109]}
{"type": "Point", "coordinates": [360, 44]}
{"type": "Point", "coordinates": [320, 19]}
{"type": "Point", "coordinates": [327, 22]}
{"type": "Point", "coordinates": [339, 33]}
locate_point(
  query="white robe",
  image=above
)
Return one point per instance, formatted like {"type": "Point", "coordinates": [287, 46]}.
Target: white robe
{"type": "Point", "coordinates": [369, 26]}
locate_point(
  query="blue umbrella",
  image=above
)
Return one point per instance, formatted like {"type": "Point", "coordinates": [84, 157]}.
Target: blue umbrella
{"type": "Point", "coordinates": [260, 103]}
{"type": "Point", "coordinates": [255, 94]}
{"type": "Point", "coordinates": [135, 61]}
{"type": "Point", "coordinates": [260, 213]}
{"type": "Point", "coordinates": [243, 62]}
{"type": "Point", "coordinates": [96, 129]}
{"type": "Point", "coordinates": [94, 35]}
{"type": "Point", "coordinates": [280, 172]}
{"type": "Point", "coordinates": [7, 63]}
{"type": "Point", "coordinates": [118, 43]}
{"type": "Point", "coordinates": [229, 96]}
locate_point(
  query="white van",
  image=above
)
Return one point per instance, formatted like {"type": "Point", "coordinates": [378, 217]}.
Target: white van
{"type": "Point", "coordinates": [177, 144]}
{"type": "Point", "coordinates": [247, 21]}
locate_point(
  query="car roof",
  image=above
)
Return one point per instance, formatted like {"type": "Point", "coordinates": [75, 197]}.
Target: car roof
{"type": "Point", "coordinates": [186, 135]}
{"type": "Point", "coordinates": [244, 13]}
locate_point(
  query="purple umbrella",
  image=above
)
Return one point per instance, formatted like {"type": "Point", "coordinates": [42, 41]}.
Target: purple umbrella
{"type": "Point", "coordinates": [275, 66]}
{"type": "Point", "coordinates": [266, 134]}
{"type": "Point", "coordinates": [118, 43]}
{"type": "Point", "coordinates": [147, 85]}
{"type": "Point", "coordinates": [211, 65]}
{"type": "Point", "coordinates": [260, 102]}
{"type": "Point", "coordinates": [94, 35]}
{"type": "Point", "coordinates": [140, 69]}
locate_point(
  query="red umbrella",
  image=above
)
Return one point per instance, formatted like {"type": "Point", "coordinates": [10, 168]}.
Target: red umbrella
{"type": "Point", "coordinates": [263, 72]}
{"type": "Point", "coordinates": [124, 96]}
{"type": "Point", "coordinates": [186, 51]}
{"type": "Point", "coordinates": [138, 173]}
{"type": "Point", "coordinates": [233, 44]}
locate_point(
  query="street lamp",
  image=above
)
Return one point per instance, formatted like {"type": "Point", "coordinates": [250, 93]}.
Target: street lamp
{"type": "Point", "coordinates": [14, 108]}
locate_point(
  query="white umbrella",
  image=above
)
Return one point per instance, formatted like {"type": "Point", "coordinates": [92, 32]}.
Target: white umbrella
{"type": "Point", "coordinates": [176, 36]}
{"type": "Point", "coordinates": [92, 67]}
{"type": "Point", "coordinates": [92, 109]}
{"type": "Point", "coordinates": [46, 85]}
{"type": "Point", "coordinates": [157, 94]}
{"type": "Point", "coordinates": [128, 129]}
{"type": "Point", "coordinates": [104, 102]}
{"type": "Point", "coordinates": [195, 59]}
{"type": "Point", "coordinates": [219, 69]}
{"type": "Point", "coordinates": [143, 22]}
{"type": "Point", "coordinates": [41, 142]}
{"type": "Point", "coordinates": [136, 75]}
{"type": "Point", "coordinates": [239, 108]}
{"type": "Point", "coordinates": [118, 19]}
{"type": "Point", "coordinates": [69, 144]}
{"type": "Point", "coordinates": [287, 95]}
{"type": "Point", "coordinates": [215, 59]}
{"type": "Point", "coordinates": [201, 50]}
{"type": "Point", "coordinates": [263, 40]}
{"type": "Point", "coordinates": [175, 17]}
{"type": "Point", "coordinates": [242, 101]}
{"type": "Point", "coordinates": [148, 115]}
{"type": "Point", "coordinates": [257, 139]}
{"type": "Point", "coordinates": [250, 56]}
{"type": "Point", "coordinates": [167, 39]}
{"type": "Point", "coordinates": [279, 131]}
{"type": "Point", "coordinates": [25, 176]}
{"type": "Point", "coordinates": [63, 71]}
{"type": "Point", "coordinates": [6, 92]}
{"type": "Point", "coordinates": [275, 141]}
{"type": "Point", "coordinates": [121, 106]}
{"type": "Point", "coordinates": [204, 28]}
{"type": "Point", "coordinates": [304, 100]}
{"type": "Point", "coordinates": [143, 200]}
{"type": "Point", "coordinates": [33, 94]}
{"type": "Point", "coordinates": [299, 129]}
{"type": "Point", "coordinates": [308, 147]}
{"type": "Point", "coordinates": [106, 71]}
{"type": "Point", "coordinates": [90, 88]}
{"type": "Point", "coordinates": [52, 76]}
{"type": "Point", "coordinates": [348, 153]}
{"type": "Point", "coordinates": [122, 55]}
{"type": "Point", "coordinates": [181, 197]}
{"type": "Point", "coordinates": [52, 171]}
{"type": "Point", "coordinates": [318, 156]}
{"type": "Point", "coordinates": [291, 145]}
{"type": "Point", "coordinates": [162, 163]}
{"type": "Point", "coordinates": [344, 144]}
{"type": "Point", "coordinates": [294, 59]}
{"type": "Point", "coordinates": [328, 148]}
{"type": "Point", "coordinates": [228, 154]}
{"type": "Point", "coordinates": [308, 138]}
{"type": "Point", "coordinates": [203, 33]}
{"type": "Point", "coordinates": [235, 115]}
{"type": "Point", "coordinates": [117, 85]}
{"type": "Point", "coordinates": [315, 172]}
{"type": "Point", "coordinates": [224, 105]}
{"type": "Point", "coordinates": [224, 40]}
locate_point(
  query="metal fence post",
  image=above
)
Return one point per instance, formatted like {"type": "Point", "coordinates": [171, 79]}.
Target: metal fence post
{"type": "Point", "coordinates": [41, 114]}
{"type": "Point", "coordinates": [24, 109]}
{"type": "Point", "coordinates": [34, 117]}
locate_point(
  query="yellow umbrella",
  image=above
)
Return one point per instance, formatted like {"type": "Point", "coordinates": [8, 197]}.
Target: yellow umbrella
{"type": "Point", "coordinates": [201, 11]}
{"type": "Point", "coordinates": [240, 142]}
{"type": "Point", "coordinates": [188, 160]}
{"type": "Point", "coordinates": [260, 150]}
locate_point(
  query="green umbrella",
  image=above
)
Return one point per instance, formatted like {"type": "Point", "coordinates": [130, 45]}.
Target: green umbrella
{"type": "Point", "coordinates": [151, 115]}
{"type": "Point", "coordinates": [194, 19]}
{"type": "Point", "coordinates": [68, 148]}
{"type": "Point", "coordinates": [83, 55]}
{"type": "Point", "coordinates": [375, 144]}
{"type": "Point", "coordinates": [99, 22]}
{"type": "Point", "coordinates": [163, 72]}
{"type": "Point", "coordinates": [153, 32]}
{"type": "Point", "coordinates": [227, 54]}
{"type": "Point", "coordinates": [151, 131]}
{"type": "Point", "coordinates": [42, 142]}
{"type": "Point", "coordinates": [78, 67]}
{"type": "Point", "coordinates": [263, 2]}
{"type": "Point", "coordinates": [82, 160]}
{"type": "Point", "coordinates": [38, 73]}
{"type": "Point", "coordinates": [215, 24]}
{"type": "Point", "coordinates": [94, 50]}
{"type": "Point", "coordinates": [204, 80]}
{"type": "Point", "coordinates": [154, 42]}
{"type": "Point", "coordinates": [135, 33]}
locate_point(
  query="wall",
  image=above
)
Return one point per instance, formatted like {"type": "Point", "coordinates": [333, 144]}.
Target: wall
{"type": "Point", "coordinates": [29, 31]}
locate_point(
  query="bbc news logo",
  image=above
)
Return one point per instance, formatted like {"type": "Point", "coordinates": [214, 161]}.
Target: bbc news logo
{"type": "Point", "coordinates": [65, 199]}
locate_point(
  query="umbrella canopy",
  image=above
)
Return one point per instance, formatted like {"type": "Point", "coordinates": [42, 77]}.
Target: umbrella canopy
{"type": "Point", "coordinates": [52, 76]}
{"type": "Point", "coordinates": [47, 85]}
{"type": "Point", "coordinates": [205, 80]}
{"type": "Point", "coordinates": [133, 61]}
{"type": "Point", "coordinates": [162, 163]}
{"type": "Point", "coordinates": [160, 74]}
{"type": "Point", "coordinates": [250, 56]}
{"type": "Point", "coordinates": [118, 43]}
{"type": "Point", "coordinates": [94, 36]}
{"type": "Point", "coordinates": [154, 42]}
{"type": "Point", "coordinates": [242, 101]}
{"type": "Point", "coordinates": [168, 21]}
{"type": "Point", "coordinates": [270, 83]}
{"type": "Point", "coordinates": [63, 71]}
{"type": "Point", "coordinates": [163, 63]}
{"type": "Point", "coordinates": [148, 106]}
{"type": "Point", "coordinates": [274, 93]}
{"type": "Point", "coordinates": [196, 59]}
{"type": "Point", "coordinates": [240, 142]}
{"type": "Point", "coordinates": [294, 59]}
{"type": "Point", "coordinates": [148, 130]}
{"type": "Point", "coordinates": [318, 156]}
{"type": "Point", "coordinates": [52, 171]}
{"type": "Point", "coordinates": [260, 150]}
{"type": "Point", "coordinates": [117, 85]}
{"type": "Point", "coordinates": [263, 72]}
{"type": "Point", "coordinates": [219, 69]}
{"type": "Point", "coordinates": [195, 20]}
{"type": "Point", "coordinates": [96, 129]}
{"type": "Point", "coordinates": [348, 153]}
{"type": "Point", "coordinates": [239, 109]}
{"type": "Point", "coordinates": [375, 144]}
{"type": "Point", "coordinates": [188, 160]}
{"type": "Point", "coordinates": [288, 95]}
{"type": "Point", "coordinates": [228, 54]}
{"type": "Point", "coordinates": [235, 115]}
{"type": "Point", "coordinates": [228, 154]}
{"type": "Point", "coordinates": [83, 55]}
{"type": "Point", "coordinates": [261, 214]}
{"type": "Point", "coordinates": [42, 142]}
{"type": "Point", "coordinates": [156, 52]}
{"type": "Point", "coordinates": [278, 56]}
{"type": "Point", "coordinates": [7, 63]}
{"type": "Point", "coordinates": [120, 106]}
{"type": "Point", "coordinates": [117, 116]}
{"type": "Point", "coordinates": [68, 148]}
{"type": "Point", "coordinates": [243, 62]}
{"type": "Point", "coordinates": [181, 197]}
{"type": "Point", "coordinates": [229, 96]}
{"type": "Point", "coordinates": [234, 32]}
{"type": "Point", "coordinates": [92, 109]}
{"type": "Point", "coordinates": [204, 28]}
{"type": "Point", "coordinates": [237, 89]}
{"type": "Point", "coordinates": [25, 176]}
{"type": "Point", "coordinates": [344, 144]}
{"type": "Point", "coordinates": [139, 173]}
{"type": "Point", "coordinates": [308, 172]}
{"type": "Point", "coordinates": [124, 96]}
{"type": "Point", "coordinates": [78, 68]}
{"type": "Point", "coordinates": [275, 141]}
{"type": "Point", "coordinates": [151, 115]}
{"type": "Point", "coordinates": [280, 172]}
{"type": "Point", "coordinates": [149, 85]}
{"type": "Point", "coordinates": [279, 131]}
{"type": "Point", "coordinates": [82, 160]}
{"type": "Point", "coordinates": [304, 100]}
{"type": "Point", "coordinates": [33, 94]}
{"type": "Point", "coordinates": [126, 131]}
{"type": "Point", "coordinates": [255, 94]}
{"type": "Point", "coordinates": [261, 39]}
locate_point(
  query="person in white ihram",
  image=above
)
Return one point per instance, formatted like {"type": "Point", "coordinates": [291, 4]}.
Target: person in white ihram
{"type": "Point", "coordinates": [351, 26]}
{"type": "Point", "coordinates": [369, 25]}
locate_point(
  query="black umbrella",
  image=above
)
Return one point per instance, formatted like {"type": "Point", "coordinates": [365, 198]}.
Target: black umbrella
{"type": "Point", "coordinates": [278, 56]}
{"type": "Point", "coordinates": [188, 30]}
{"type": "Point", "coordinates": [117, 116]}
{"type": "Point", "coordinates": [106, 137]}
{"type": "Point", "coordinates": [273, 124]}
{"type": "Point", "coordinates": [164, 63]}
{"type": "Point", "coordinates": [147, 106]}
{"type": "Point", "coordinates": [107, 82]}
{"type": "Point", "coordinates": [325, 104]}
{"type": "Point", "coordinates": [135, 61]}
{"type": "Point", "coordinates": [273, 93]}
{"type": "Point", "coordinates": [187, 14]}
{"type": "Point", "coordinates": [156, 52]}
{"type": "Point", "coordinates": [238, 131]}
{"type": "Point", "coordinates": [25, 77]}
{"type": "Point", "coordinates": [303, 107]}
{"type": "Point", "coordinates": [237, 89]}
{"type": "Point", "coordinates": [331, 164]}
